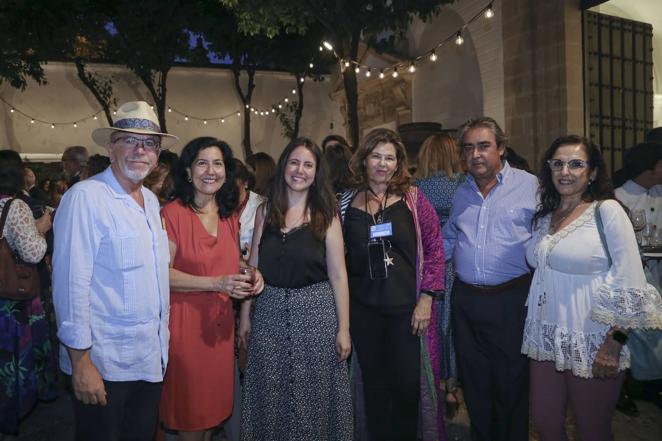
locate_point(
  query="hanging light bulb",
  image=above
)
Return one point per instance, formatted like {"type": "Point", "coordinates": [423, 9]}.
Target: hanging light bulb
{"type": "Point", "coordinates": [52, 126]}
{"type": "Point", "coordinates": [321, 48]}
{"type": "Point", "coordinates": [75, 125]}
{"type": "Point", "coordinates": [367, 73]}
{"type": "Point", "coordinates": [280, 106]}
{"type": "Point", "coordinates": [11, 110]}
{"type": "Point", "coordinates": [286, 99]}
{"type": "Point", "coordinates": [114, 112]}
{"type": "Point", "coordinates": [459, 40]}
{"type": "Point", "coordinates": [489, 12]}
{"type": "Point", "coordinates": [95, 117]}
{"type": "Point", "coordinates": [273, 110]}
{"type": "Point", "coordinates": [302, 80]}
{"type": "Point", "coordinates": [169, 109]}
{"type": "Point", "coordinates": [357, 69]}
{"type": "Point", "coordinates": [238, 113]}
{"type": "Point", "coordinates": [412, 68]}
{"type": "Point", "coordinates": [311, 65]}
{"type": "Point", "coordinates": [395, 72]}
{"type": "Point", "coordinates": [294, 91]}
{"type": "Point", "coordinates": [327, 45]}
{"type": "Point", "coordinates": [381, 74]}
{"type": "Point", "coordinates": [204, 122]}
{"type": "Point", "coordinates": [31, 121]}
{"type": "Point", "coordinates": [433, 57]}
{"type": "Point", "coordinates": [151, 107]}
{"type": "Point", "coordinates": [185, 117]}
{"type": "Point", "coordinates": [347, 64]}
{"type": "Point", "coordinates": [222, 120]}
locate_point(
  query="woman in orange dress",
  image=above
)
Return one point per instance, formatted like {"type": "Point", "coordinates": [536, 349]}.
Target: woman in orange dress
{"type": "Point", "coordinates": [203, 230]}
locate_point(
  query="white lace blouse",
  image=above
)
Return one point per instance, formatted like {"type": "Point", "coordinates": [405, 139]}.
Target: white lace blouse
{"type": "Point", "coordinates": [576, 297]}
{"type": "Point", "coordinates": [21, 232]}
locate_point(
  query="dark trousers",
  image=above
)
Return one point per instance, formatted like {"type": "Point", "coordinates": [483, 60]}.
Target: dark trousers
{"type": "Point", "coordinates": [488, 328]}
{"type": "Point", "coordinates": [389, 356]}
{"type": "Point", "coordinates": [130, 415]}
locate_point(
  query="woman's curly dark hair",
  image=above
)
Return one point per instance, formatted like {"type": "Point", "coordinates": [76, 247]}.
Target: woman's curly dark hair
{"type": "Point", "coordinates": [11, 173]}
{"type": "Point", "coordinates": [227, 197]}
{"type": "Point", "coordinates": [597, 190]}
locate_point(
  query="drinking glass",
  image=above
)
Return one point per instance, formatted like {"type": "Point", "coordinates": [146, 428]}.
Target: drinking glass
{"type": "Point", "coordinates": [638, 218]}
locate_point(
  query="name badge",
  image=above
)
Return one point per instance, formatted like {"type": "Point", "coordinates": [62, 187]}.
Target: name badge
{"type": "Point", "coordinates": [381, 230]}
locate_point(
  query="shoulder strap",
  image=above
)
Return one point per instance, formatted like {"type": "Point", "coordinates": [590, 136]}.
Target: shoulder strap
{"type": "Point", "coordinates": [5, 213]}
{"type": "Point", "coordinates": [601, 231]}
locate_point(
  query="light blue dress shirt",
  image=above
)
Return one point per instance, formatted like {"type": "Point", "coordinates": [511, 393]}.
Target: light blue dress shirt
{"type": "Point", "coordinates": [487, 237]}
{"type": "Point", "coordinates": [110, 280]}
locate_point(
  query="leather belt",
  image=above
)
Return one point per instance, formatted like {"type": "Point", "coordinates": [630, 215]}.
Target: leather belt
{"type": "Point", "coordinates": [517, 282]}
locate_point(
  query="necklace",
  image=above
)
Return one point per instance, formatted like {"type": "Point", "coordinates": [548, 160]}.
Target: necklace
{"type": "Point", "coordinates": [553, 225]}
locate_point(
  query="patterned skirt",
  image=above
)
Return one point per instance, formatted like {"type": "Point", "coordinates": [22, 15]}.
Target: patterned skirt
{"type": "Point", "coordinates": [28, 369]}
{"type": "Point", "coordinates": [295, 388]}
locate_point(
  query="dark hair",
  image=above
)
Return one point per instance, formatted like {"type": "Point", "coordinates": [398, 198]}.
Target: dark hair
{"type": "Point", "coordinates": [517, 161]}
{"type": "Point", "coordinates": [337, 138]}
{"type": "Point", "coordinates": [320, 200]}
{"type": "Point", "coordinates": [244, 174]}
{"type": "Point", "coordinates": [11, 173]}
{"type": "Point", "coordinates": [96, 164]}
{"type": "Point", "coordinates": [597, 190]}
{"type": "Point", "coordinates": [264, 168]}
{"type": "Point", "coordinates": [488, 123]}
{"type": "Point", "coordinates": [401, 179]}
{"type": "Point", "coordinates": [642, 157]}
{"type": "Point", "coordinates": [227, 197]}
{"type": "Point", "coordinates": [337, 158]}
{"type": "Point", "coordinates": [169, 158]}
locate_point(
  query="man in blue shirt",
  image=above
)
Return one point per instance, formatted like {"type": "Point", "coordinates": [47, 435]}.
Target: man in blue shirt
{"type": "Point", "coordinates": [486, 234]}
{"type": "Point", "coordinates": [110, 284]}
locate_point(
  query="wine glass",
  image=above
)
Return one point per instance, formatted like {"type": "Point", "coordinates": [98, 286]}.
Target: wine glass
{"type": "Point", "coordinates": [638, 218]}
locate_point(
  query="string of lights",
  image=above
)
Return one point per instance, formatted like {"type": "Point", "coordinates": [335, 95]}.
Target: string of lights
{"type": "Point", "coordinates": [394, 70]}
{"type": "Point", "coordinates": [410, 65]}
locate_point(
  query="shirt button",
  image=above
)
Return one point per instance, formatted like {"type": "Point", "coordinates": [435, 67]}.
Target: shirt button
{"type": "Point", "coordinates": [478, 246]}
{"type": "Point", "coordinates": [482, 226]}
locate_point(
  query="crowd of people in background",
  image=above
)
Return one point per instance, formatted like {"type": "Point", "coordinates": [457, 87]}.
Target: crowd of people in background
{"type": "Point", "coordinates": [337, 293]}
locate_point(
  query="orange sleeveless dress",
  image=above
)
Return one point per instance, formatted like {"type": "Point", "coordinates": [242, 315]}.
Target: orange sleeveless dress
{"type": "Point", "coordinates": [198, 385]}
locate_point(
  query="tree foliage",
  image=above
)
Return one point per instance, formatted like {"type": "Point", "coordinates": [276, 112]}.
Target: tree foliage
{"type": "Point", "coordinates": [345, 23]}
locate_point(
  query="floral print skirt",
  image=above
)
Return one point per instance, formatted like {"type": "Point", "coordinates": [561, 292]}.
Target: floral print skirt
{"type": "Point", "coordinates": [28, 370]}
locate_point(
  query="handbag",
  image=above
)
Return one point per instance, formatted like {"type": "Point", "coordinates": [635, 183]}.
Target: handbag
{"type": "Point", "coordinates": [19, 280]}
{"type": "Point", "coordinates": [645, 344]}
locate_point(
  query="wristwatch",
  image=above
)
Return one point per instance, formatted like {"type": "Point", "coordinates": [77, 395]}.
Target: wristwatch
{"type": "Point", "coordinates": [620, 336]}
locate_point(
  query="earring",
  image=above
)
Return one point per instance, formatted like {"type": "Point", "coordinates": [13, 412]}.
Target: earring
{"type": "Point", "coordinates": [189, 179]}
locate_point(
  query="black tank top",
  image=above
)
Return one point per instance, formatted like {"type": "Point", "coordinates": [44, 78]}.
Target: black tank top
{"type": "Point", "coordinates": [292, 260]}
{"type": "Point", "coordinates": [399, 289]}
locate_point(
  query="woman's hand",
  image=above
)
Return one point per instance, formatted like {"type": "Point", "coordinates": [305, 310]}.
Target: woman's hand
{"type": "Point", "coordinates": [44, 223]}
{"type": "Point", "coordinates": [343, 345]}
{"type": "Point", "coordinates": [605, 364]}
{"type": "Point", "coordinates": [258, 284]}
{"type": "Point", "coordinates": [237, 286]}
{"type": "Point", "coordinates": [420, 319]}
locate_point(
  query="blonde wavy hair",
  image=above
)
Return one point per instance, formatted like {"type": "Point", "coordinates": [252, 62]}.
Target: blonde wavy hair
{"type": "Point", "coordinates": [439, 152]}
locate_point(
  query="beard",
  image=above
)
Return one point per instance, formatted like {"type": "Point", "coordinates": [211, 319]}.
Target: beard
{"type": "Point", "coordinates": [133, 175]}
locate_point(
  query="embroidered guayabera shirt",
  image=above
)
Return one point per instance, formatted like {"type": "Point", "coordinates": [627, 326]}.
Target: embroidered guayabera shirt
{"type": "Point", "coordinates": [110, 280]}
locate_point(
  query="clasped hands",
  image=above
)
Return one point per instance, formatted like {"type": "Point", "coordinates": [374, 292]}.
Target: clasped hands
{"type": "Point", "coordinates": [240, 286]}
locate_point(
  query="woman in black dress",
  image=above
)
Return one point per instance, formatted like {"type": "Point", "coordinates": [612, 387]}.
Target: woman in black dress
{"type": "Point", "coordinates": [297, 385]}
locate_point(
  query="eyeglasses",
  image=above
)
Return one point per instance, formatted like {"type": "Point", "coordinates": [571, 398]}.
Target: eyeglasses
{"type": "Point", "coordinates": [149, 144]}
{"type": "Point", "coordinates": [574, 164]}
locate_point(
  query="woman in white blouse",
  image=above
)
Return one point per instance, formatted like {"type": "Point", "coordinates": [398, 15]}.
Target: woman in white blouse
{"type": "Point", "coordinates": [588, 290]}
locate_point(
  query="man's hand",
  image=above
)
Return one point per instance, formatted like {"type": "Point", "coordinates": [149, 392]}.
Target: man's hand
{"type": "Point", "coordinates": [85, 378]}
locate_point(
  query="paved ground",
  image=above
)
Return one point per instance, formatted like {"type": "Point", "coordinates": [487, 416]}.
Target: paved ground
{"type": "Point", "coordinates": [54, 422]}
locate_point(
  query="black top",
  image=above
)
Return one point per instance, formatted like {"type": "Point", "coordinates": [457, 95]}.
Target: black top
{"type": "Point", "coordinates": [399, 289]}
{"type": "Point", "coordinates": [292, 260]}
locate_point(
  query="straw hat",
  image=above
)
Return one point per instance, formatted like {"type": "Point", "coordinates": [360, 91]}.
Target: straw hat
{"type": "Point", "coordinates": [134, 117]}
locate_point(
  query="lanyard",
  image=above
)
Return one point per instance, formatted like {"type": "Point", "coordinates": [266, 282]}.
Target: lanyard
{"type": "Point", "coordinates": [382, 206]}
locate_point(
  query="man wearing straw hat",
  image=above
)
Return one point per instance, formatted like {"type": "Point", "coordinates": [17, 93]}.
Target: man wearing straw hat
{"type": "Point", "coordinates": [110, 284]}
